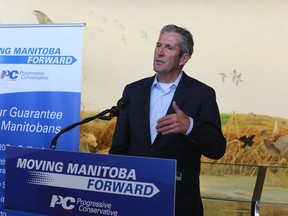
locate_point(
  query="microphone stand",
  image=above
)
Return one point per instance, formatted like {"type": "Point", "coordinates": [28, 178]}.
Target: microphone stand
{"type": "Point", "coordinates": [99, 116]}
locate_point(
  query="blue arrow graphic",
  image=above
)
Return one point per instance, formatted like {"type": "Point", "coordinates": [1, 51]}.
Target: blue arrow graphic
{"type": "Point", "coordinates": [45, 60]}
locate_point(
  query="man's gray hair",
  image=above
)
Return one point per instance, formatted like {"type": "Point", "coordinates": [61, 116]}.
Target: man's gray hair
{"type": "Point", "coordinates": [187, 43]}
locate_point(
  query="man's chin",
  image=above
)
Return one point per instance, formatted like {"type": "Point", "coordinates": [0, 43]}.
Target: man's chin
{"type": "Point", "coordinates": [158, 69]}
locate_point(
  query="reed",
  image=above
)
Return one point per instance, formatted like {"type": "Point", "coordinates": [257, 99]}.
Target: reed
{"type": "Point", "coordinates": [233, 126]}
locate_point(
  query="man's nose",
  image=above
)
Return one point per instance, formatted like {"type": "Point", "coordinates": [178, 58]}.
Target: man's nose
{"type": "Point", "coordinates": [160, 51]}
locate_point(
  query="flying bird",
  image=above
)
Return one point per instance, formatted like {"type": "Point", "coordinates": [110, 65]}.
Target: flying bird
{"type": "Point", "coordinates": [42, 17]}
{"type": "Point", "coordinates": [236, 78]}
{"type": "Point", "coordinates": [144, 35]}
{"type": "Point", "coordinates": [124, 39]}
{"type": "Point", "coordinates": [223, 75]}
{"type": "Point", "coordinates": [248, 141]}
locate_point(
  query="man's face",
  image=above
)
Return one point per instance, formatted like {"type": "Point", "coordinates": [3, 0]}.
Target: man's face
{"type": "Point", "coordinates": [166, 54]}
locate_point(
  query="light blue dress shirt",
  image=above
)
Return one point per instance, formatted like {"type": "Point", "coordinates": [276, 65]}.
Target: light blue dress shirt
{"type": "Point", "coordinates": [160, 99]}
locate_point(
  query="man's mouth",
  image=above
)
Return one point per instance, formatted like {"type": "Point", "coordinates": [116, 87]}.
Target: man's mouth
{"type": "Point", "coordinates": [159, 61]}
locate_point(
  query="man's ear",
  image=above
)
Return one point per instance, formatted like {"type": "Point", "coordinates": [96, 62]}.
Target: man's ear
{"type": "Point", "coordinates": [184, 59]}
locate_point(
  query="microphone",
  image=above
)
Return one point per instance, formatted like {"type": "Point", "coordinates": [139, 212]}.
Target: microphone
{"type": "Point", "coordinates": [113, 112]}
{"type": "Point", "coordinates": [121, 104]}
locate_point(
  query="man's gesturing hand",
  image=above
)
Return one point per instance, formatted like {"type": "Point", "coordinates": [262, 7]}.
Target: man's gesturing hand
{"type": "Point", "coordinates": [177, 122]}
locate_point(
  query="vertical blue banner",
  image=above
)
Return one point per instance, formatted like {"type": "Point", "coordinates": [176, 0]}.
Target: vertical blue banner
{"type": "Point", "coordinates": [40, 94]}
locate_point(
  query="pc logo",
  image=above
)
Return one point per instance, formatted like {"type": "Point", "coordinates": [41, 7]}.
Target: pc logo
{"type": "Point", "coordinates": [7, 74]}
{"type": "Point", "coordinates": [67, 203]}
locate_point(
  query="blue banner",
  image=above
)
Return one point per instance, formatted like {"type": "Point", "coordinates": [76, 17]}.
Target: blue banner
{"type": "Point", "coordinates": [40, 79]}
{"type": "Point", "coordinates": [69, 183]}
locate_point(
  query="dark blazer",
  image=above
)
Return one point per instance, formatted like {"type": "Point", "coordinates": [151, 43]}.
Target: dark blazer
{"type": "Point", "coordinates": [132, 135]}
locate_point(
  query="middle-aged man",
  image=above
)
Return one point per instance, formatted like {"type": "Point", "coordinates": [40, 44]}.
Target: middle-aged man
{"type": "Point", "coordinates": [172, 115]}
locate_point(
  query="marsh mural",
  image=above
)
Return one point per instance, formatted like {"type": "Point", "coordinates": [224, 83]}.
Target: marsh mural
{"type": "Point", "coordinates": [241, 50]}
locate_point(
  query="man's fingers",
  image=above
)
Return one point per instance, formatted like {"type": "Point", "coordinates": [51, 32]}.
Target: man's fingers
{"type": "Point", "coordinates": [175, 107]}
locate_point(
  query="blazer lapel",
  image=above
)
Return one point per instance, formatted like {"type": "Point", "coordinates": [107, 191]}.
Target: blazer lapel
{"type": "Point", "coordinates": [180, 94]}
{"type": "Point", "coordinates": [145, 112]}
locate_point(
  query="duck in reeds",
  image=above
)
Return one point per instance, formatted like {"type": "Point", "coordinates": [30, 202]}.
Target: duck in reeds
{"type": "Point", "coordinates": [277, 148]}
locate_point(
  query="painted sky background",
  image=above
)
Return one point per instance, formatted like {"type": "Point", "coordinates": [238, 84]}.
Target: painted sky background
{"type": "Point", "coordinates": [248, 36]}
